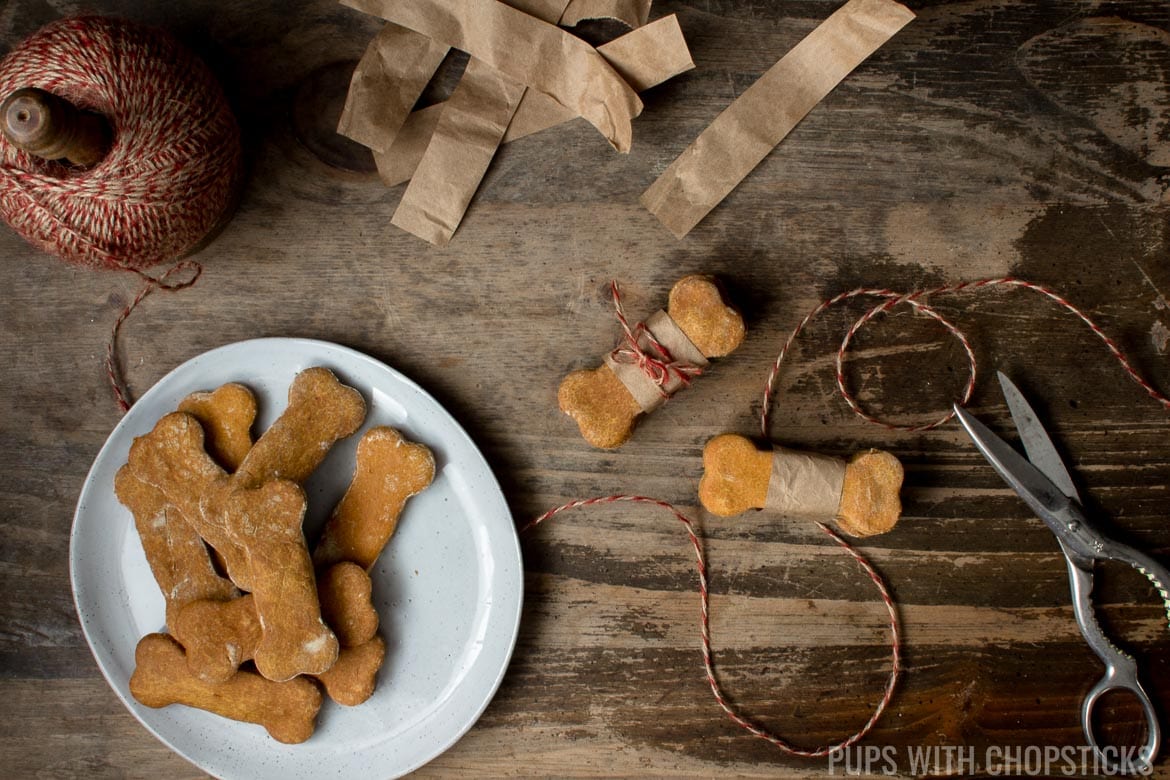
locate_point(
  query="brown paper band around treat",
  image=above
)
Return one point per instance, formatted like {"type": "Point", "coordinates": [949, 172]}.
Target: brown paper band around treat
{"type": "Point", "coordinates": [528, 50]}
{"type": "Point", "coordinates": [386, 84]}
{"type": "Point", "coordinates": [805, 485]}
{"type": "Point", "coordinates": [644, 57]}
{"type": "Point", "coordinates": [648, 393]}
{"type": "Point", "coordinates": [747, 130]}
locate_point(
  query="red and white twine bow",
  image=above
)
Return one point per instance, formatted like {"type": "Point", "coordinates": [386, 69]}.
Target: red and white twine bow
{"type": "Point", "coordinates": [654, 360]}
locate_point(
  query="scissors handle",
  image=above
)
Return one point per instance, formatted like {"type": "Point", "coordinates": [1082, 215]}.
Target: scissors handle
{"type": "Point", "coordinates": [1122, 676]}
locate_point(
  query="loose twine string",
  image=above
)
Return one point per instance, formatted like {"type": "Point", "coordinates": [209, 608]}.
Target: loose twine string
{"type": "Point", "coordinates": [725, 704]}
{"type": "Point", "coordinates": [917, 301]}
{"type": "Point", "coordinates": [163, 282]}
{"type": "Point", "coordinates": [890, 300]}
{"type": "Point", "coordinates": [655, 360]}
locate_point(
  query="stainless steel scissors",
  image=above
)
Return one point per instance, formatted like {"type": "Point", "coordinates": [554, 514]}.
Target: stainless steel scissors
{"type": "Point", "coordinates": [1045, 485]}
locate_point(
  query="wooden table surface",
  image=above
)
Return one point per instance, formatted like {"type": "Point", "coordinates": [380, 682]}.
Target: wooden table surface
{"type": "Point", "coordinates": [990, 137]}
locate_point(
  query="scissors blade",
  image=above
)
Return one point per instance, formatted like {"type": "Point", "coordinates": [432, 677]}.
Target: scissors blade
{"type": "Point", "coordinates": [1037, 444]}
{"type": "Point", "coordinates": [1037, 490]}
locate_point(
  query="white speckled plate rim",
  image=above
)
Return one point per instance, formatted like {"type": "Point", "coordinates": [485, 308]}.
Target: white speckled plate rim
{"type": "Point", "coordinates": [448, 587]}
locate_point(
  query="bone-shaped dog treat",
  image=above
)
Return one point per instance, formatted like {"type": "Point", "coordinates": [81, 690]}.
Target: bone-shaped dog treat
{"type": "Point", "coordinates": [168, 459]}
{"type": "Point", "coordinates": [352, 679]}
{"type": "Point", "coordinates": [320, 411]}
{"type": "Point", "coordinates": [389, 470]}
{"type": "Point", "coordinates": [294, 639]}
{"type": "Point", "coordinates": [697, 324]}
{"type": "Point", "coordinates": [288, 710]}
{"type": "Point", "coordinates": [218, 636]}
{"type": "Point", "coordinates": [227, 415]}
{"type": "Point", "coordinates": [178, 557]}
{"type": "Point", "coordinates": [347, 603]}
{"type": "Point", "coordinates": [258, 532]}
{"type": "Point", "coordinates": [221, 635]}
{"type": "Point", "coordinates": [861, 494]}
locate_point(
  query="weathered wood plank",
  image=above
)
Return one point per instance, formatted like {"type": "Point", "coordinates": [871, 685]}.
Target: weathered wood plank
{"type": "Point", "coordinates": [990, 137]}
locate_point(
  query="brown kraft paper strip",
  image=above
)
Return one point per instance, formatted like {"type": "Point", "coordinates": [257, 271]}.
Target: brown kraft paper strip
{"type": "Point", "coordinates": [644, 57]}
{"type": "Point", "coordinates": [386, 84]}
{"type": "Point", "coordinates": [398, 63]}
{"type": "Point", "coordinates": [533, 52]}
{"type": "Point", "coordinates": [470, 130]}
{"type": "Point", "coordinates": [644, 390]}
{"type": "Point", "coordinates": [747, 130]}
{"type": "Point", "coordinates": [805, 485]}
{"type": "Point", "coordinates": [465, 141]}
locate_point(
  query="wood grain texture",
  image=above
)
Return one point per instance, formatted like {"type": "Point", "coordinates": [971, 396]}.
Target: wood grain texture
{"type": "Point", "coordinates": [989, 137]}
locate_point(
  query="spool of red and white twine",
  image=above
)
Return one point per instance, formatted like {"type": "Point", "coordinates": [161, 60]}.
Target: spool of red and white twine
{"type": "Point", "coordinates": [887, 300]}
{"type": "Point", "coordinates": [169, 177]}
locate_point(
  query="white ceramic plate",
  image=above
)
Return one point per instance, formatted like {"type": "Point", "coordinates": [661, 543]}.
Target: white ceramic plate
{"type": "Point", "coordinates": [448, 587]}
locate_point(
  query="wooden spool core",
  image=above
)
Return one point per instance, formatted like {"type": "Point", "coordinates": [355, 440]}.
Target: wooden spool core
{"type": "Point", "coordinates": [43, 124]}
